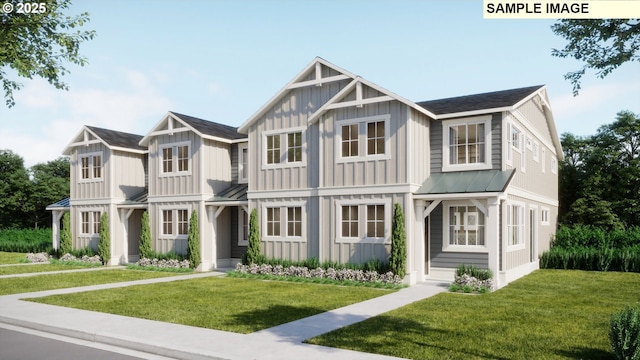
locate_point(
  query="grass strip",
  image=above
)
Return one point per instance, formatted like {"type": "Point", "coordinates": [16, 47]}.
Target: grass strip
{"type": "Point", "coordinates": [75, 279]}
{"type": "Point", "coordinates": [11, 257]}
{"type": "Point", "coordinates": [550, 314]}
{"type": "Point", "coordinates": [23, 269]}
{"type": "Point", "coordinates": [228, 304]}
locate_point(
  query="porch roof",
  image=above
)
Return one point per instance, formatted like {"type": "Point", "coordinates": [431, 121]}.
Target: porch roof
{"type": "Point", "coordinates": [60, 205]}
{"type": "Point", "coordinates": [233, 194]}
{"type": "Point", "coordinates": [137, 201]}
{"type": "Point", "coordinates": [460, 182]}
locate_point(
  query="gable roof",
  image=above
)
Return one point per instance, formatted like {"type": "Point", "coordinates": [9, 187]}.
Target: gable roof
{"type": "Point", "coordinates": [112, 139]}
{"type": "Point", "coordinates": [204, 128]}
{"type": "Point", "coordinates": [486, 102]}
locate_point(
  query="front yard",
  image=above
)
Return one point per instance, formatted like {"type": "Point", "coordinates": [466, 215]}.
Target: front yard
{"type": "Point", "coordinates": [550, 314]}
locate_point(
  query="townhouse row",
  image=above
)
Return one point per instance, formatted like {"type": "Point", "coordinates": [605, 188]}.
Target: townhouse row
{"type": "Point", "coordinates": [323, 162]}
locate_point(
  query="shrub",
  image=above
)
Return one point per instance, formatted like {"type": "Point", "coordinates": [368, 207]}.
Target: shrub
{"type": "Point", "coordinates": [341, 275]}
{"type": "Point", "coordinates": [145, 236]}
{"type": "Point", "coordinates": [254, 255]}
{"type": "Point", "coordinates": [65, 235]}
{"type": "Point", "coordinates": [85, 251]}
{"type": "Point", "coordinates": [193, 242]}
{"type": "Point", "coordinates": [26, 240]}
{"type": "Point", "coordinates": [104, 243]}
{"type": "Point", "coordinates": [469, 279]}
{"type": "Point", "coordinates": [624, 334]}
{"type": "Point", "coordinates": [398, 258]}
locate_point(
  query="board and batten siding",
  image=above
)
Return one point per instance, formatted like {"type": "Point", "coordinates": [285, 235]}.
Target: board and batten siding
{"type": "Point", "coordinates": [449, 259]}
{"type": "Point", "coordinates": [419, 156]}
{"type": "Point", "coordinates": [437, 143]}
{"type": "Point", "coordinates": [79, 240]}
{"type": "Point", "coordinates": [217, 166]}
{"type": "Point", "coordinates": [536, 118]}
{"type": "Point", "coordinates": [291, 111]}
{"type": "Point", "coordinates": [178, 184]}
{"type": "Point", "coordinates": [90, 189]}
{"type": "Point", "coordinates": [129, 176]}
{"type": "Point", "coordinates": [364, 171]}
{"type": "Point", "coordinates": [160, 243]}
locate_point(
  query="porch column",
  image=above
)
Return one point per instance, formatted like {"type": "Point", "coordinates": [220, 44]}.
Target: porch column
{"type": "Point", "coordinates": [493, 238]}
{"type": "Point", "coordinates": [418, 269]}
{"type": "Point", "coordinates": [55, 228]}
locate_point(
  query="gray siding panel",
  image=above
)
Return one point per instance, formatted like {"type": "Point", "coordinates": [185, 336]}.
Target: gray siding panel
{"type": "Point", "coordinates": [436, 146]}
{"type": "Point", "coordinates": [496, 141]}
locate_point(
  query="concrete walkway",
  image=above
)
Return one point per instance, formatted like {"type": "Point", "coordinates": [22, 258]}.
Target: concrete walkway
{"type": "Point", "coordinates": [187, 342]}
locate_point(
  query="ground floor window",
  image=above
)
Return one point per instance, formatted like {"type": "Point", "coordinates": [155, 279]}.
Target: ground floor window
{"type": "Point", "coordinates": [243, 228]}
{"type": "Point", "coordinates": [466, 226]}
{"type": "Point", "coordinates": [363, 222]}
{"type": "Point", "coordinates": [174, 222]}
{"type": "Point", "coordinates": [515, 225]}
{"type": "Point", "coordinates": [284, 221]}
{"type": "Point", "coordinates": [90, 222]}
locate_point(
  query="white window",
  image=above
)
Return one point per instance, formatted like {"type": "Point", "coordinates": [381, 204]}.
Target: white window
{"type": "Point", "coordinates": [90, 222]}
{"type": "Point", "coordinates": [536, 151]}
{"type": "Point", "coordinates": [175, 158]}
{"type": "Point", "coordinates": [174, 222]}
{"type": "Point", "coordinates": [243, 227]}
{"type": "Point", "coordinates": [467, 144]}
{"type": "Point", "coordinates": [363, 222]}
{"type": "Point", "coordinates": [515, 225]}
{"type": "Point", "coordinates": [464, 228]}
{"type": "Point", "coordinates": [362, 138]}
{"type": "Point", "coordinates": [544, 160]}
{"type": "Point", "coordinates": [284, 221]}
{"type": "Point", "coordinates": [91, 166]}
{"type": "Point", "coordinates": [544, 216]}
{"type": "Point", "coordinates": [554, 165]}
{"type": "Point", "coordinates": [284, 148]}
{"type": "Point", "coordinates": [243, 163]}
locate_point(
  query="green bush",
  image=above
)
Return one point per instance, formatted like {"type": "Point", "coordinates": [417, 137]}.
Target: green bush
{"type": "Point", "coordinates": [145, 237]}
{"type": "Point", "coordinates": [254, 254]}
{"type": "Point", "coordinates": [26, 240]}
{"type": "Point", "coordinates": [104, 243]}
{"type": "Point", "coordinates": [376, 265]}
{"type": "Point", "coordinates": [171, 255]}
{"type": "Point", "coordinates": [398, 258]}
{"type": "Point", "coordinates": [579, 236]}
{"type": "Point", "coordinates": [193, 242]}
{"type": "Point", "coordinates": [582, 258]}
{"type": "Point", "coordinates": [624, 334]}
{"type": "Point", "coordinates": [480, 274]}
{"type": "Point", "coordinates": [65, 235]}
{"type": "Point", "coordinates": [86, 251]}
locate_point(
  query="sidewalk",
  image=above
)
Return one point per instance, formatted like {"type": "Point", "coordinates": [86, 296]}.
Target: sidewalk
{"type": "Point", "coordinates": [187, 342]}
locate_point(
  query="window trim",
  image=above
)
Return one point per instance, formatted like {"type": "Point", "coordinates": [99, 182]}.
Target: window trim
{"type": "Point", "coordinates": [174, 159]}
{"type": "Point", "coordinates": [92, 168]}
{"type": "Point", "coordinates": [284, 139]}
{"type": "Point", "coordinates": [241, 165]}
{"type": "Point", "coordinates": [362, 138]}
{"type": "Point", "coordinates": [362, 221]}
{"type": "Point", "coordinates": [92, 222]}
{"type": "Point", "coordinates": [544, 220]}
{"type": "Point", "coordinates": [446, 125]}
{"type": "Point", "coordinates": [241, 214]}
{"type": "Point", "coordinates": [554, 165]}
{"type": "Point", "coordinates": [282, 207]}
{"type": "Point", "coordinates": [446, 234]}
{"type": "Point", "coordinates": [536, 151]}
{"type": "Point", "coordinates": [174, 222]}
{"type": "Point", "coordinates": [522, 224]}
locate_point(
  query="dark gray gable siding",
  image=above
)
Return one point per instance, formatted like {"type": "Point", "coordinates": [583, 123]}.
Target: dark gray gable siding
{"type": "Point", "coordinates": [211, 128]}
{"type": "Point", "coordinates": [449, 260]}
{"type": "Point", "coordinates": [118, 138]}
{"type": "Point", "coordinates": [489, 100]}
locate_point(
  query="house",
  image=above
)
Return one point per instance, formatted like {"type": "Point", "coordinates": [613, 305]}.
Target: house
{"type": "Point", "coordinates": [325, 160]}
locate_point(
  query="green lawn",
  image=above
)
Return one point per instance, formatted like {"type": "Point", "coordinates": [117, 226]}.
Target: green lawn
{"type": "Point", "coordinates": [11, 257]}
{"type": "Point", "coordinates": [229, 304]}
{"type": "Point", "coordinates": [27, 269]}
{"type": "Point", "coordinates": [550, 314]}
{"type": "Point", "coordinates": [76, 279]}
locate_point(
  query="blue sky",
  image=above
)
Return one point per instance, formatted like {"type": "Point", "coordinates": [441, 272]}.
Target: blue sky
{"type": "Point", "coordinates": [222, 60]}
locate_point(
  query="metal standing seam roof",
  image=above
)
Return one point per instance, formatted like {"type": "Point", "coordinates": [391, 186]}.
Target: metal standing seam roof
{"type": "Point", "coordinates": [233, 193]}
{"type": "Point", "coordinates": [138, 199]}
{"type": "Point", "coordinates": [460, 182]}
{"type": "Point", "coordinates": [60, 205]}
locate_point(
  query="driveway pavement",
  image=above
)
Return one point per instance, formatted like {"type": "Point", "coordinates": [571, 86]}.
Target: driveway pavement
{"type": "Point", "coordinates": [187, 342]}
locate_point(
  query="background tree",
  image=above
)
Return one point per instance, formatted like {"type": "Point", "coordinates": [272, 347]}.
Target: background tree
{"type": "Point", "coordinates": [254, 254]}
{"type": "Point", "coordinates": [193, 242]}
{"type": "Point", "coordinates": [145, 237]}
{"type": "Point", "coordinates": [39, 44]}
{"type": "Point", "coordinates": [14, 190]}
{"type": "Point", "coordinates": [104, 243]}
{"type": "Point", "coordinates": [398, 258]}
{"type": "Point", "coordinates": [65, 235]}
{"type": "Point", "coordinates": [49, 183]}
{"type": "Point", "coordinates": [601, 44]}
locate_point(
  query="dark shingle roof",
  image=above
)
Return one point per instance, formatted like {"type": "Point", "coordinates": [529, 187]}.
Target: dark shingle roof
{"type": "Point", "coordinates": [118, 138]}
{"type": "Point", "coordinates": [490, 100]}
{"type": "Point", "coordinates": [211, 128]}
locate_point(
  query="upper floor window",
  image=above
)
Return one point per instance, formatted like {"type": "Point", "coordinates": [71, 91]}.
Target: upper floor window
{"type": "Point", "coordinates": [554, 165]}
{"type": "Point", "coordinates": [91, 166]}
{"type": "Point", "coordinates": [243, 163]}
{"type": "Point", "coordinates": [175, 158]}
{"type": "Point", "coordinates": [362, 138]}
{"type": "Point", "coordinates": [284, 148]}
{"type": "Point", "coordinates": [467, 144]}
{"type": "Point", "coordinates": [544, 216]}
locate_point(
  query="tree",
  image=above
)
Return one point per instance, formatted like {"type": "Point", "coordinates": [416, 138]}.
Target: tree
{"type": "Point", "coordinates": [398, 258]}
{"type": "Point", "coordinates": [49, 183]}
{"type": "Point", "coordinates": [15, 189]}
{"type": "Point", "coordinates": [193, 242]}
{"type": "Point", "coordinates": [104, 243]}
{"type": "Point", "coordinates": [145, 237]}
{"type": "Point", "coordinates": [65, 235]}
{"type": "Point", "coordinates": [40, 43]}
{"type": "Point", "coordinates": [254, 254]}
{"type": "Point", "coordinates": [602, 44]}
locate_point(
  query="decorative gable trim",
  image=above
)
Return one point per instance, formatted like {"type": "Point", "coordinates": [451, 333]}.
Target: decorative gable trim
{"type": "Point", "coordinates": [86, 137]}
